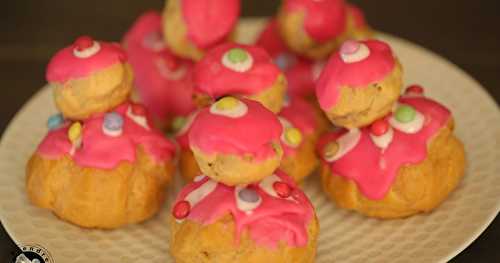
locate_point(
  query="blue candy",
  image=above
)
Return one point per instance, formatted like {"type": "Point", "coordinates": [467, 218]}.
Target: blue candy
{"type": "Point", "coordinates": [55, 121]}
{"type": "Point", "coordinates": [113, 121]}
{"type": "Point", "coordinates": [249, 195]}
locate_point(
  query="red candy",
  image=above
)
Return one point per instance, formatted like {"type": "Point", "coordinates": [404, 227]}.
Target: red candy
{"type": "Point", "coordinates": [282, 189]}
{"type": "Point", "coordinates": [138, 109]}
{"type": "Point", "coordinates": [84, 42]}
{"type": "Point", "coordinates": [181, 209]}
{"type": "Point", "coordinates": [415, 89]}
{"type": "Point", "coordinates": [379, 127]}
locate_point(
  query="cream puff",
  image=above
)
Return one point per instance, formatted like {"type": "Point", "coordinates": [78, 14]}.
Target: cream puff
{"type": "Point", "coordinates": [312, 28]}
{"type": "Point", "coordinates": [405, 163]}
{"type": "Point", "coordinates": [267, 221]}
{"type": "Point", "coordinates": [110, 168]}
{"type": "Point", "coordinates": [89, 77]}
{"type": "Point", "coordinates": [241, 71]}
{"type": "Point", "coordinates": [191, 27]}
{"type": "Point", "coordinates": [360, 83]}
{"type": "Point", "coordinates": [236, 141]}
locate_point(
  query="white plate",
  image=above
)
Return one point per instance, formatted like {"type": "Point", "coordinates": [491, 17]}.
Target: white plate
{"type": "Point", "coordinates": [345, 236]}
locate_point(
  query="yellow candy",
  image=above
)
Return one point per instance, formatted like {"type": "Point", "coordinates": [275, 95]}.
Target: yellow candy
{"type": "Point", "coordinates": [227, 103]}
{"type": "Point", "coordinates": [74, 132]}
{"type": "Point", "coordinates": [293, 136]}
{"type": "Point", "coordinates": [331, 149]}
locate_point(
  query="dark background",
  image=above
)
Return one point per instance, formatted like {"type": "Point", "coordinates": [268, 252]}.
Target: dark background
{"type": "Point", "coordinates": [465, 32]}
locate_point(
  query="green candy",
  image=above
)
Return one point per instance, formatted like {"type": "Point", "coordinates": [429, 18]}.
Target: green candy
{"type": "Point", "coordinates": [237, 55]}
{"type": "Point", "coordinates": [405, 114]}
{"type": "Point", "coordinates": [178, 123]}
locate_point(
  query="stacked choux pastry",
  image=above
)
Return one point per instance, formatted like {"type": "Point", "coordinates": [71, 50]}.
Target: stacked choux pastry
{"type": "Point", "coordinates": [394, 155]}
{"type": "Point", "coordinates": [102, 164]}
{"type": "Point", "coordinates": [241, 208]}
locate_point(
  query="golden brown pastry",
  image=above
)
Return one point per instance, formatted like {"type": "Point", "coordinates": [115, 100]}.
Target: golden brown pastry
{"type": "Point", "coordinates": [404, 164]}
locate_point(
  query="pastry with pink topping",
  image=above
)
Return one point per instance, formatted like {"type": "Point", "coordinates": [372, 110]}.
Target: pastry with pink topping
{"type": "Point", "coordinates": [164, 82]}
{"type": "Point", "coordinates": [242, 71]}
{"type": "Point", "coordinates": [191, 27]}
{"type": "Point", "coordinates": [271, 220]}
{"type": "Point", "coordinates": [101, 164]}
{"type": "Point", "coordinates": [236, 141]}
{"type": "Point", "coordinates": [356, 24]}
{"type": "Point", "coordinates": [360, 83]}
{"type": "Point", "coordinates": [405, 163]}
{"type": "Point", "coordinates": [312, 28]}
{"type": "Point", "coordinates": [89, 77]}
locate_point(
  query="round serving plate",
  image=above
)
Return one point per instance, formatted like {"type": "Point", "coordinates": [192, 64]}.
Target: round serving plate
{"type": "Point", "coordinates": [345, 236]}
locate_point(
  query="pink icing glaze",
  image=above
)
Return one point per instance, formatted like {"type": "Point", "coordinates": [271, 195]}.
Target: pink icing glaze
{"type": "Point", "coordinates": [324, 20]}
{"type": "Point", "coordinates": [274, 220]}
{"type": "Point", "coordinates": [301, 114]}
{"type": "Point", "coordinates": [99, 150]}
{"type": "Point", "coordinates": [270, 40]}
{"type": "Point", "coordinates": [375, 67]}
{"type": "Point", "coordinates": [209, 21]}
{"type": "Point", "coordinates": [65, 66]}
{"type": "Point", "coordinates": [163, 93]}
{"type": "Point", "coordinates": [371, 178]}
{"type": "Point", "coordinates": [357, 15]}
{"type": "Point", "coordinates": [300, 78]}
{"type": "Point", "coordinates": [249, 134]}
{"type": "Point", "coordinates": [216, 80]}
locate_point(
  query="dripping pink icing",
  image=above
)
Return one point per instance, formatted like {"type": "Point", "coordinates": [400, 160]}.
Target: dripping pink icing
{"type": "Point", "coordinates": [99, 150]}
{"type": "Point", "coordinates": [248, 134]}
{"type": "Point", "coordinates": [214, 79]}
{"type": "Point", "coordinates": [337, 73]}
{"type": "Point", "coordinates": [357, 15]}
{"type": "Point", "coordinates": [65, 66]}
{"type": "Point", "coordinates": [154, 68]}
{"type": "Point", "coordinates": [374, 181]}
{"type": "Point", "coordinates": [209, 21]}
{"type": "Point", "coordinates": [274, 220]}
{"type": "Point", "coordinates": [324, 20]}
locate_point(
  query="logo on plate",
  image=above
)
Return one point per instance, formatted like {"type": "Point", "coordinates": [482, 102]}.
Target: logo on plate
{"type": "Point", "coordinates": [33, 253]}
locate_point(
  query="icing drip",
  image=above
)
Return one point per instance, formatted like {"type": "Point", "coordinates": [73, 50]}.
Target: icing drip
{"type": "Point", "coordinates": [164, 82]}
{"type": "Point", "coordinates": [99, 150]}
{"type": "Point", "coordinates": [346, 143]}
{"type": "Point", "coordinates": [209, 21]}
{"type": "Point", "coordinates": [213, 78]}
{"type": "Point", "coordinates": [253, 133]}
{"type": "Point", "coordinates": [138, 119]}
{"type": "Point", "coordinates": [324, 20]}
{"type": "Point", "coordinates": [71, 63]}
{"type": "Point", "coordinates": [272, 219]}
{"type": "Point", "coordinates": [375, 67]}
{"type": "Point", "coordinates": [380, 165]}
{"type": "Point", "coordinates": [383, 141]}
